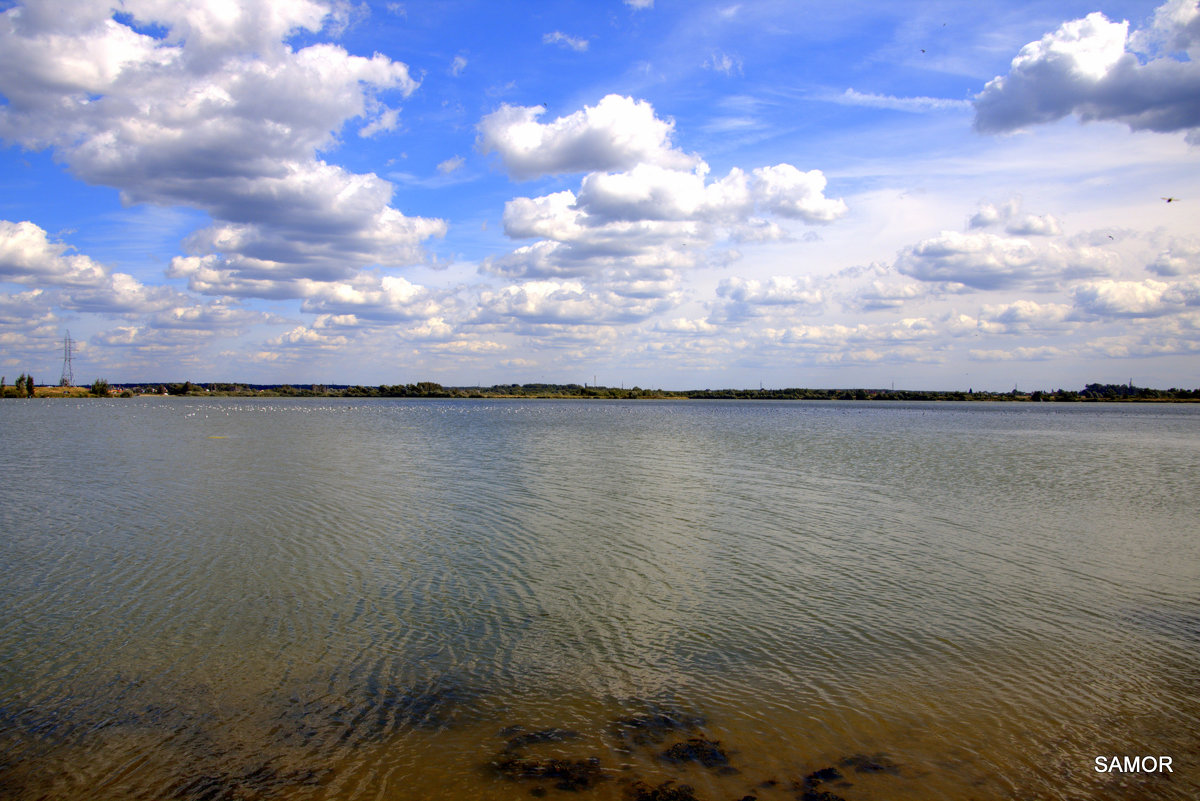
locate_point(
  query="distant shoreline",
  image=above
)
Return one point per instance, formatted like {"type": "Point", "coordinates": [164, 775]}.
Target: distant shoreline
{"type": "Point", "coordinates": [1091, 393]}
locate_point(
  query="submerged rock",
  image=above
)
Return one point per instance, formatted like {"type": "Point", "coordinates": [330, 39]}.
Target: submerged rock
{"type": "Point", "coordinates": [653, 725]}
{"type": "Point", "coordinates": [570, 774]}
{"type": "Point", "coordinates": [667, 791]}
{"type": "Point", "coordinates": [810, 788]}
{"type": "Point", "coordinates": [537, 737]}
{"type": "Point", "coordinates": [822, 775]}
{"type": "Point", "coordinates": [373, 710]}
{"type": "Point", "coordinates": [877, 763]}
{"type": "Point", "coordinates": [708, 753]}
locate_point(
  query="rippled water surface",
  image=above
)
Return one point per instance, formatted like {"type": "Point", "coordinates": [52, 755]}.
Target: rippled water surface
{"type": "Point", "coordinates": [315, 599]}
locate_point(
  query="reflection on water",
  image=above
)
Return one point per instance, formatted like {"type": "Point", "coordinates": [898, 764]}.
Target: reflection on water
{"type": "Point", "coordinates": [228, 599]}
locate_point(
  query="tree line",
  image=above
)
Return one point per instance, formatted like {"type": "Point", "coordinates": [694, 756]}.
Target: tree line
{"type": "Point", "coordinates": [22, 389]}
{"type": "Point", "coordinates": [430, 389]}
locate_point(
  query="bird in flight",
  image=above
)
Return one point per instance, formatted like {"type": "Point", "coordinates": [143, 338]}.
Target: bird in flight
{"type": "Point", "coordinates": [1170, 199]}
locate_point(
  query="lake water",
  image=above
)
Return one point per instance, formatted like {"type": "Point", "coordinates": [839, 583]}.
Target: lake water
{"type": "Point", "coordinates": [346, 599]}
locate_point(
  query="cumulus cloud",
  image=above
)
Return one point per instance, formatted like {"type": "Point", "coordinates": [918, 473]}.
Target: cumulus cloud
{"type": "Point", "coordinates": [218, 315]}
{"type": "Point", "coordinates": [1022, 317]}
{"type": "Point", "coordinates": [370, 297]}
{"type": "Point", "coordinates": [1091, 67]}
{"type": "Point", "coordinates": [565, 303]}
{"type": "Point", "coordinates": [1179, 259]}
{"type": "Point", "coordinates": [652, 218]}
{"type": "Point", "coordinates": [645, 211]}
{"type": "Point", "coordinates": [615, 134]}
{"type": "Point", "coordinates": [219, 114]}
{"type": "Point", "coordinates": [749, 297]}
{"type": "Point", "coordinates": [885, 295]}
{"type": "Point", "coordinates": [787, 191]}
{"type": "Point", "coordinates": [1014, 221]}
{"type": "Point", "coordinates": [910, 339]}
{"type": "Point", "coordinates": [1136, 298]}
{"type": "Point", "coordinates": [25, 316]}
{"type": "Point", "coordinates": [1034, 225]}
{"type": "Point", "coordinates": [27, 256]}
{"type": "Point", "coordinates": [986, 261]}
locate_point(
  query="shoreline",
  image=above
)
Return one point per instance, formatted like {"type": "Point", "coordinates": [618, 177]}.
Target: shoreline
{"type": "Point", "coordinates": [1091, 394]}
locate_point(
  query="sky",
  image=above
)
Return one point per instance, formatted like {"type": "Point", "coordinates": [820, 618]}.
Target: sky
{"type": "Point", "coordinates": [677, 195]}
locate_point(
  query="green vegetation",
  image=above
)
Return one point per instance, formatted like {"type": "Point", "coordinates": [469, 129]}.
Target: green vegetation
{"type": "Point", "coordinates": [430, 389]}
{"type": "Point", "coordinates": [22, 389]}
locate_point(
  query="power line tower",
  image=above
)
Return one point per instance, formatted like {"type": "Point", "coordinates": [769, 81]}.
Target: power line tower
{"type": "Point", "coordinates": [68, 378]}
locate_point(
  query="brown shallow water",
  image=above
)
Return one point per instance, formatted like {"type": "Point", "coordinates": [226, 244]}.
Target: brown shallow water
{"type": "Point", "coordinates": [224, 599]}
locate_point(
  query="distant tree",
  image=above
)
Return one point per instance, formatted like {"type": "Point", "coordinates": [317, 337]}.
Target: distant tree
{"type": "Point", "coordinates": [29, 386]}
{"type": "Point", "coordinates": [99, 388]}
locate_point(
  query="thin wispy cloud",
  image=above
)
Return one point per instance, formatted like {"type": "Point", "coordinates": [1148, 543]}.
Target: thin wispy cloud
{"type": "Point", "coordinates": [914, 105]}
{"type": "Point", "coordinates": [561, 39]}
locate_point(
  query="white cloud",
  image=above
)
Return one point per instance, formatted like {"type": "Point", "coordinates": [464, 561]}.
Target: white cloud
{"type": "Point", "coordinates": [1180, 259]}
{"type": "Point", "coordinates": [1023, 316]}
{"type": "Point", "coordinates": [1023, 354]}
{"type": "Point", "coordinates": [450, 165]}
{"type": "Point", "coordinates": [990, 214]}
{"type": "Point", "coordinates": [749, 297]}
{"type": "Point", "coordinates": [565, 303]}
{"type": "Point", "coordinates": [915, 105]}
{"type": "Point", "coordinates": [1087, 68]}
{"type": "Point", "coordinates": [1034, 225]}
{"type": "Point", "coordinates": [1176, 28]}
{"type": "Point", "coordinates": [724, 63]}
{"type": "Point", "coordinates": [650, 219]}
{"type": "Point", "coordinates": [457, 66]}
{"type": "Point", "coordinates": [785, 190]}
{"type": "Point", "coordinates": [27, 256]}
{"type": "Point", "coordinates": [660, 213]}
{"type": "Point", "coordinates": [388, 120]}
{"type": "Point", "coordinates": [1015, 222]}
{"type": "Point", "coordinates": [986, 261]}
{"type": "Point", "coordinates": [217, 316]}
{"type": "Point", "coordinates": [25, 317]}
{"type": "Point", "coordinates": [883, 295]}
{"type": "Point", "coordinates": [220, 115]}
{"type": "Point", "coordinates": [650, 192]}
{"type": "Point", "coordinates": [311, 339]}
{"type": "Point", "coordinates": [370, 297]}
{"type": "Point", "coordinates": [639, 5]}
{"type": "Point", "coordinates": [615, 134]}
{"type": "Point", "coordinates": [561, 39]}
{"type": "Point", "coordinates": [1147, 298]}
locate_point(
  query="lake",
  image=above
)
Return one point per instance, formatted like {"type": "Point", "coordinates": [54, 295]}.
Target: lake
{"type": "Point", "coordinates": [357, 599]}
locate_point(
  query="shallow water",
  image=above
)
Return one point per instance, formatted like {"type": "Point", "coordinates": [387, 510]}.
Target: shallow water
{"type": "Point", "coordinates": [225, 598]}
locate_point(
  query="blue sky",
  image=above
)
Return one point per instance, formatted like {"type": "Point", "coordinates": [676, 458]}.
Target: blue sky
{"type": "Point", "coordinates": [681, 195]}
